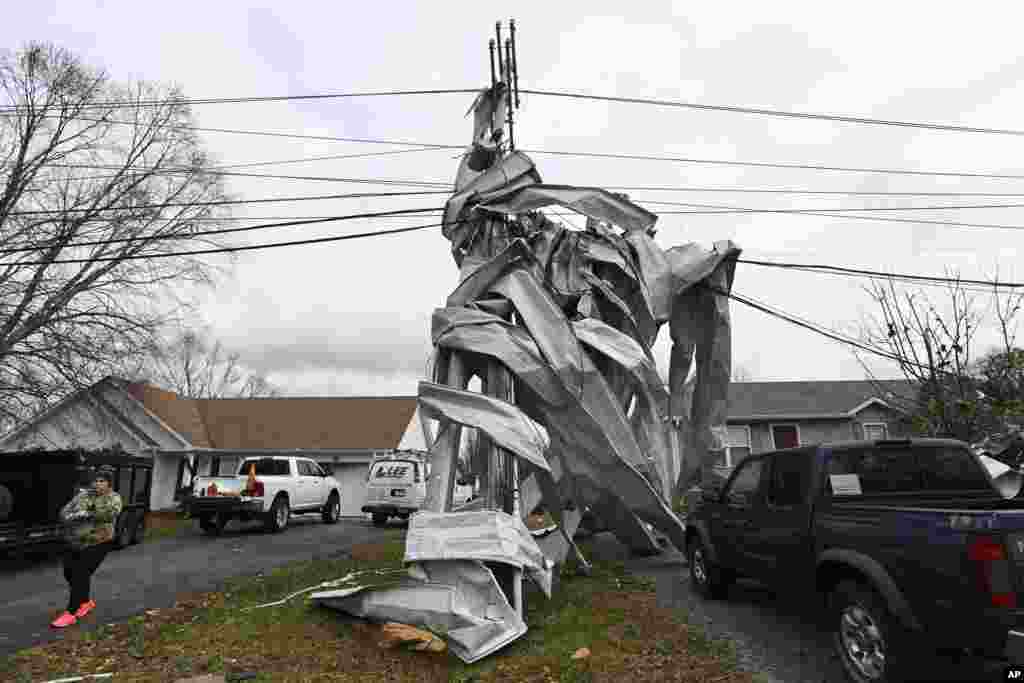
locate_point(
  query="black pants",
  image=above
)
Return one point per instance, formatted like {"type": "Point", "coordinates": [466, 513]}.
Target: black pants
{"type": "Point", "coordinates": [79, 566]}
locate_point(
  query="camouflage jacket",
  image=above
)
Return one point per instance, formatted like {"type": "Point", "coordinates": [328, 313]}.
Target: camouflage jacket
{"type": "Point", "coordinates": [91, 518]}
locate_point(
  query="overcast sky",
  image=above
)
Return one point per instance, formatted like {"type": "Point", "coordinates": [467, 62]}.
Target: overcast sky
{"type": "Point", "coordinates": [353, 317]}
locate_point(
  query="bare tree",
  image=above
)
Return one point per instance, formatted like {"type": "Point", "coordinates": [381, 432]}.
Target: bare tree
{"type": "Point", "coordinates": [933, 343]}
{"type": "Point", "coordinates": [193, 365]}
{"type": "Point", "coordinates": [95, 178]}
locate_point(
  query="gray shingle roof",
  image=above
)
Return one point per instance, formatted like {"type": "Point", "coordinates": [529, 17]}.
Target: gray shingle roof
{"type": "Point", "coordinates": [807, 399]}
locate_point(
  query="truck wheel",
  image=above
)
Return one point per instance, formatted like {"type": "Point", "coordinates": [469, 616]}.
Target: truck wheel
{"type": "Point", "coordinates": [379, 519]}
{"type": "Point", "coordinates": [706, 578]}
{"type": "Point", "coordinates": [212, 525]}
{"type": "Point", "coordinates": [277, 518]}
{"type": "Point", "coordinates": [139, 532]}
{"type": "Point", "coordinates": [868, 640]}
{"type": "Point", "coordinates": [332, 511]}
{"type": "Point", "coordinates": [122, 533]}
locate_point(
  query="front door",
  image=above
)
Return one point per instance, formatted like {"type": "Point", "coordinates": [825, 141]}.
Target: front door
{"type": "Point", "coordinates": [780, 544]}
{"type": "Point", "coordinates": [741, 502]}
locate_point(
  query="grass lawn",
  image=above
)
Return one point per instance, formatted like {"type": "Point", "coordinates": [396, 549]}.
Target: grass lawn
{"type": "Point", "coordinates": [611, 613]}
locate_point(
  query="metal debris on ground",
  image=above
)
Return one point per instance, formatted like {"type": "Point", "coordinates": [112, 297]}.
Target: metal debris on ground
{"type": "Point", "coordinates": [558, 325]}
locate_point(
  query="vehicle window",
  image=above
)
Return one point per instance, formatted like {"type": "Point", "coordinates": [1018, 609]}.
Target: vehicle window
{"type": "Point", "coordinates": [790, 475]}
{"type": "Point", "coordinates": [266, 467]}
{"type": "Point", "coordinates": [743, 489]}
{"type": "Point", "coordinates": [879, 471]}
{"type": "Point", "coordinates": [316, 470]}
{"type": "Point", "coordinates": [951, 469]}
{"type": "Point", "coordinates": [393, 472]}
{"type": "Point", "coordinates": [304, 470]}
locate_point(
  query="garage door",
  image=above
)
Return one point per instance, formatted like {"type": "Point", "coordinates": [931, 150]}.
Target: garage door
{"type": "Point", "coordinates": [353, 488]}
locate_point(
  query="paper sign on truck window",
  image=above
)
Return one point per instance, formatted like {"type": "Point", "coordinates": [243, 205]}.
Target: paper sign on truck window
{"type": "Point", "coordinates": [845, 484]}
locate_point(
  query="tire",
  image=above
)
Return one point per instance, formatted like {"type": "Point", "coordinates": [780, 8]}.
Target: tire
{"type": "Point", "coordinates": [332, 510]}
{"type": "Point", "coordinates": [139, 532]}
{"type": "Point", "coordinates": [212, 525]}
{"type": "Point", "coordinates": [706, 578]}
{"type": "Point", "coordinates": [6, 503]}
{"type": "Point", "coordinates": [122, 533]}
{"type": "Point", "coordinates": [379, 519]}
{"type": "Point", "coordinates": [279, 515]}
{"type": "Point", "coordinates": [870, 643]}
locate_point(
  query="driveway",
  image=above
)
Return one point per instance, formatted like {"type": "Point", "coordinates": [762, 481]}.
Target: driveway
{"type": "Point", "coordinates": [151, 575]}
{"type": "Point", "coordinates": [772, 636]}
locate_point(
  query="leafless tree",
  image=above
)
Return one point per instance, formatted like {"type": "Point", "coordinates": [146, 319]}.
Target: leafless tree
{"type": "Point", "coordinates": [95, 178]}
{"type": "Point", "coordinates": [933, 342]}
{"type": "Point", "coordinates": [193, 365]}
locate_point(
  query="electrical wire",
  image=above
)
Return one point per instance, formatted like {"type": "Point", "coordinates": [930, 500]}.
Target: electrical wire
{"type": "Point", "coordinates": [232, 202]}
{"type": "Point", "coordinates": [877, 274]}
{"type": "Point", "coordinates": [224, 231]}
{"type": "Point", "coordinates": [777, 112]}
{"type": "Point", "coordinates": [597, 155]}
{"type": "Point", "coordinates": [248, 100]}
{"type": "Point", "coordinates": [226, 250]}
{"type": "Point", "coordinates": [552, 93]}
{"type": "Point", "coordinates": [884, 219]}
{"type": "Point", "coordinates": [813, 327]}
{"type": "Point", "coordinates": [841, 209]}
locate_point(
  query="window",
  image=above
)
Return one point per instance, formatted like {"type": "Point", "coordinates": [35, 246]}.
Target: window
{"type": "Point", "coordinates": [743, 489]}
{"type": "Point", "coordinates": [266, 467]}
{"type": "Point", "coordinates": [785, 436]}
{"type": "Point", "coordinates": [876, 431]}
{"type": "Point", "coordinates": [879, 471]}
{"type": "Point", "coordinates": [215, 466]}
{"type": "Point", "coordinates": [951, 469]}
{"type": "Point", "coordinates": [738, 444]}
{"type": "Point", "coordinates": [790, 476]}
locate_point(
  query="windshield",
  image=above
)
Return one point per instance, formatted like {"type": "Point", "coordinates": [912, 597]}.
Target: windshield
{"type": "Point", "coordinates": [265, 467]}
{"type": "Point", "coordinates": [394, 472]}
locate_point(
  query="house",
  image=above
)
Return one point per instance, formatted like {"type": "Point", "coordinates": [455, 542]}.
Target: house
{"type": "Point", "coordinates": [764, 416]}
{"type": "Point", "coordinates": [195, 437]}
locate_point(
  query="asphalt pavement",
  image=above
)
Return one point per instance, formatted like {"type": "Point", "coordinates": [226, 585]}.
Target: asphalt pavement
{"type": "Point", "coordinates": [152, 574]}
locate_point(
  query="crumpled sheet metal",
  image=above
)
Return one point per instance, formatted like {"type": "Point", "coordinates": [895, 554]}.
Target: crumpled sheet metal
{"type": "Point", "coordinates": [572, 316]}
{"type": "Point", "coordinates": [458, 599]}
{"type": "Point", "coordinates": [503, 422]}
{"type": "Point", "coordinates": [484, 535]}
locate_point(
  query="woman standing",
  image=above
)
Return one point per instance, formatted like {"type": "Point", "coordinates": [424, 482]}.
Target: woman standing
{"type": "Point", "coordinates": [91, 516]}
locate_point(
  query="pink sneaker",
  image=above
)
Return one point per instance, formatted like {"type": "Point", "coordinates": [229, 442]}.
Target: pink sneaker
{"type": "Point", "coordinates": [64, 620]}
{"type": "Point", "coordinates": [85, 608]}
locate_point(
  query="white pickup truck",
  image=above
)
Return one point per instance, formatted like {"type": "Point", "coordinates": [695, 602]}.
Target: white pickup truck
{"type": "Point", "coordinates": [270, 489]}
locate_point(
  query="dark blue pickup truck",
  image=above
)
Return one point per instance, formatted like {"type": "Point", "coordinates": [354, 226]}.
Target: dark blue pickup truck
{"type": "Point", "coordinates": [912, 546]}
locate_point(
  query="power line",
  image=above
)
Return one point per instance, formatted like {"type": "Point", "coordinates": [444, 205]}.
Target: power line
{"type": "Point", "coordinates": [248, 100]}
{"type": "Point", "coordinates": [550, 93]}
{"type": "Point", "coordinates": [224, 250]}
{"type": "Point", "coordinates": [222, 231]}
{"type": "Point", "coordinates": [813, 327]}
{"type": "Point", "coordinates": [597, 155]}
{"type": "Point", "coordinates": [842, 270]}
{"type": "Point", "coordinates": [231, 202]}
{"type": "Point", "coordinates": [761, 164]}
{"type": "Point", "coordinates": [779, 113]}
{"type": "Point", "coordinates": [884, 219]}
{"type": "Point", "coordinates": [798, 210]}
